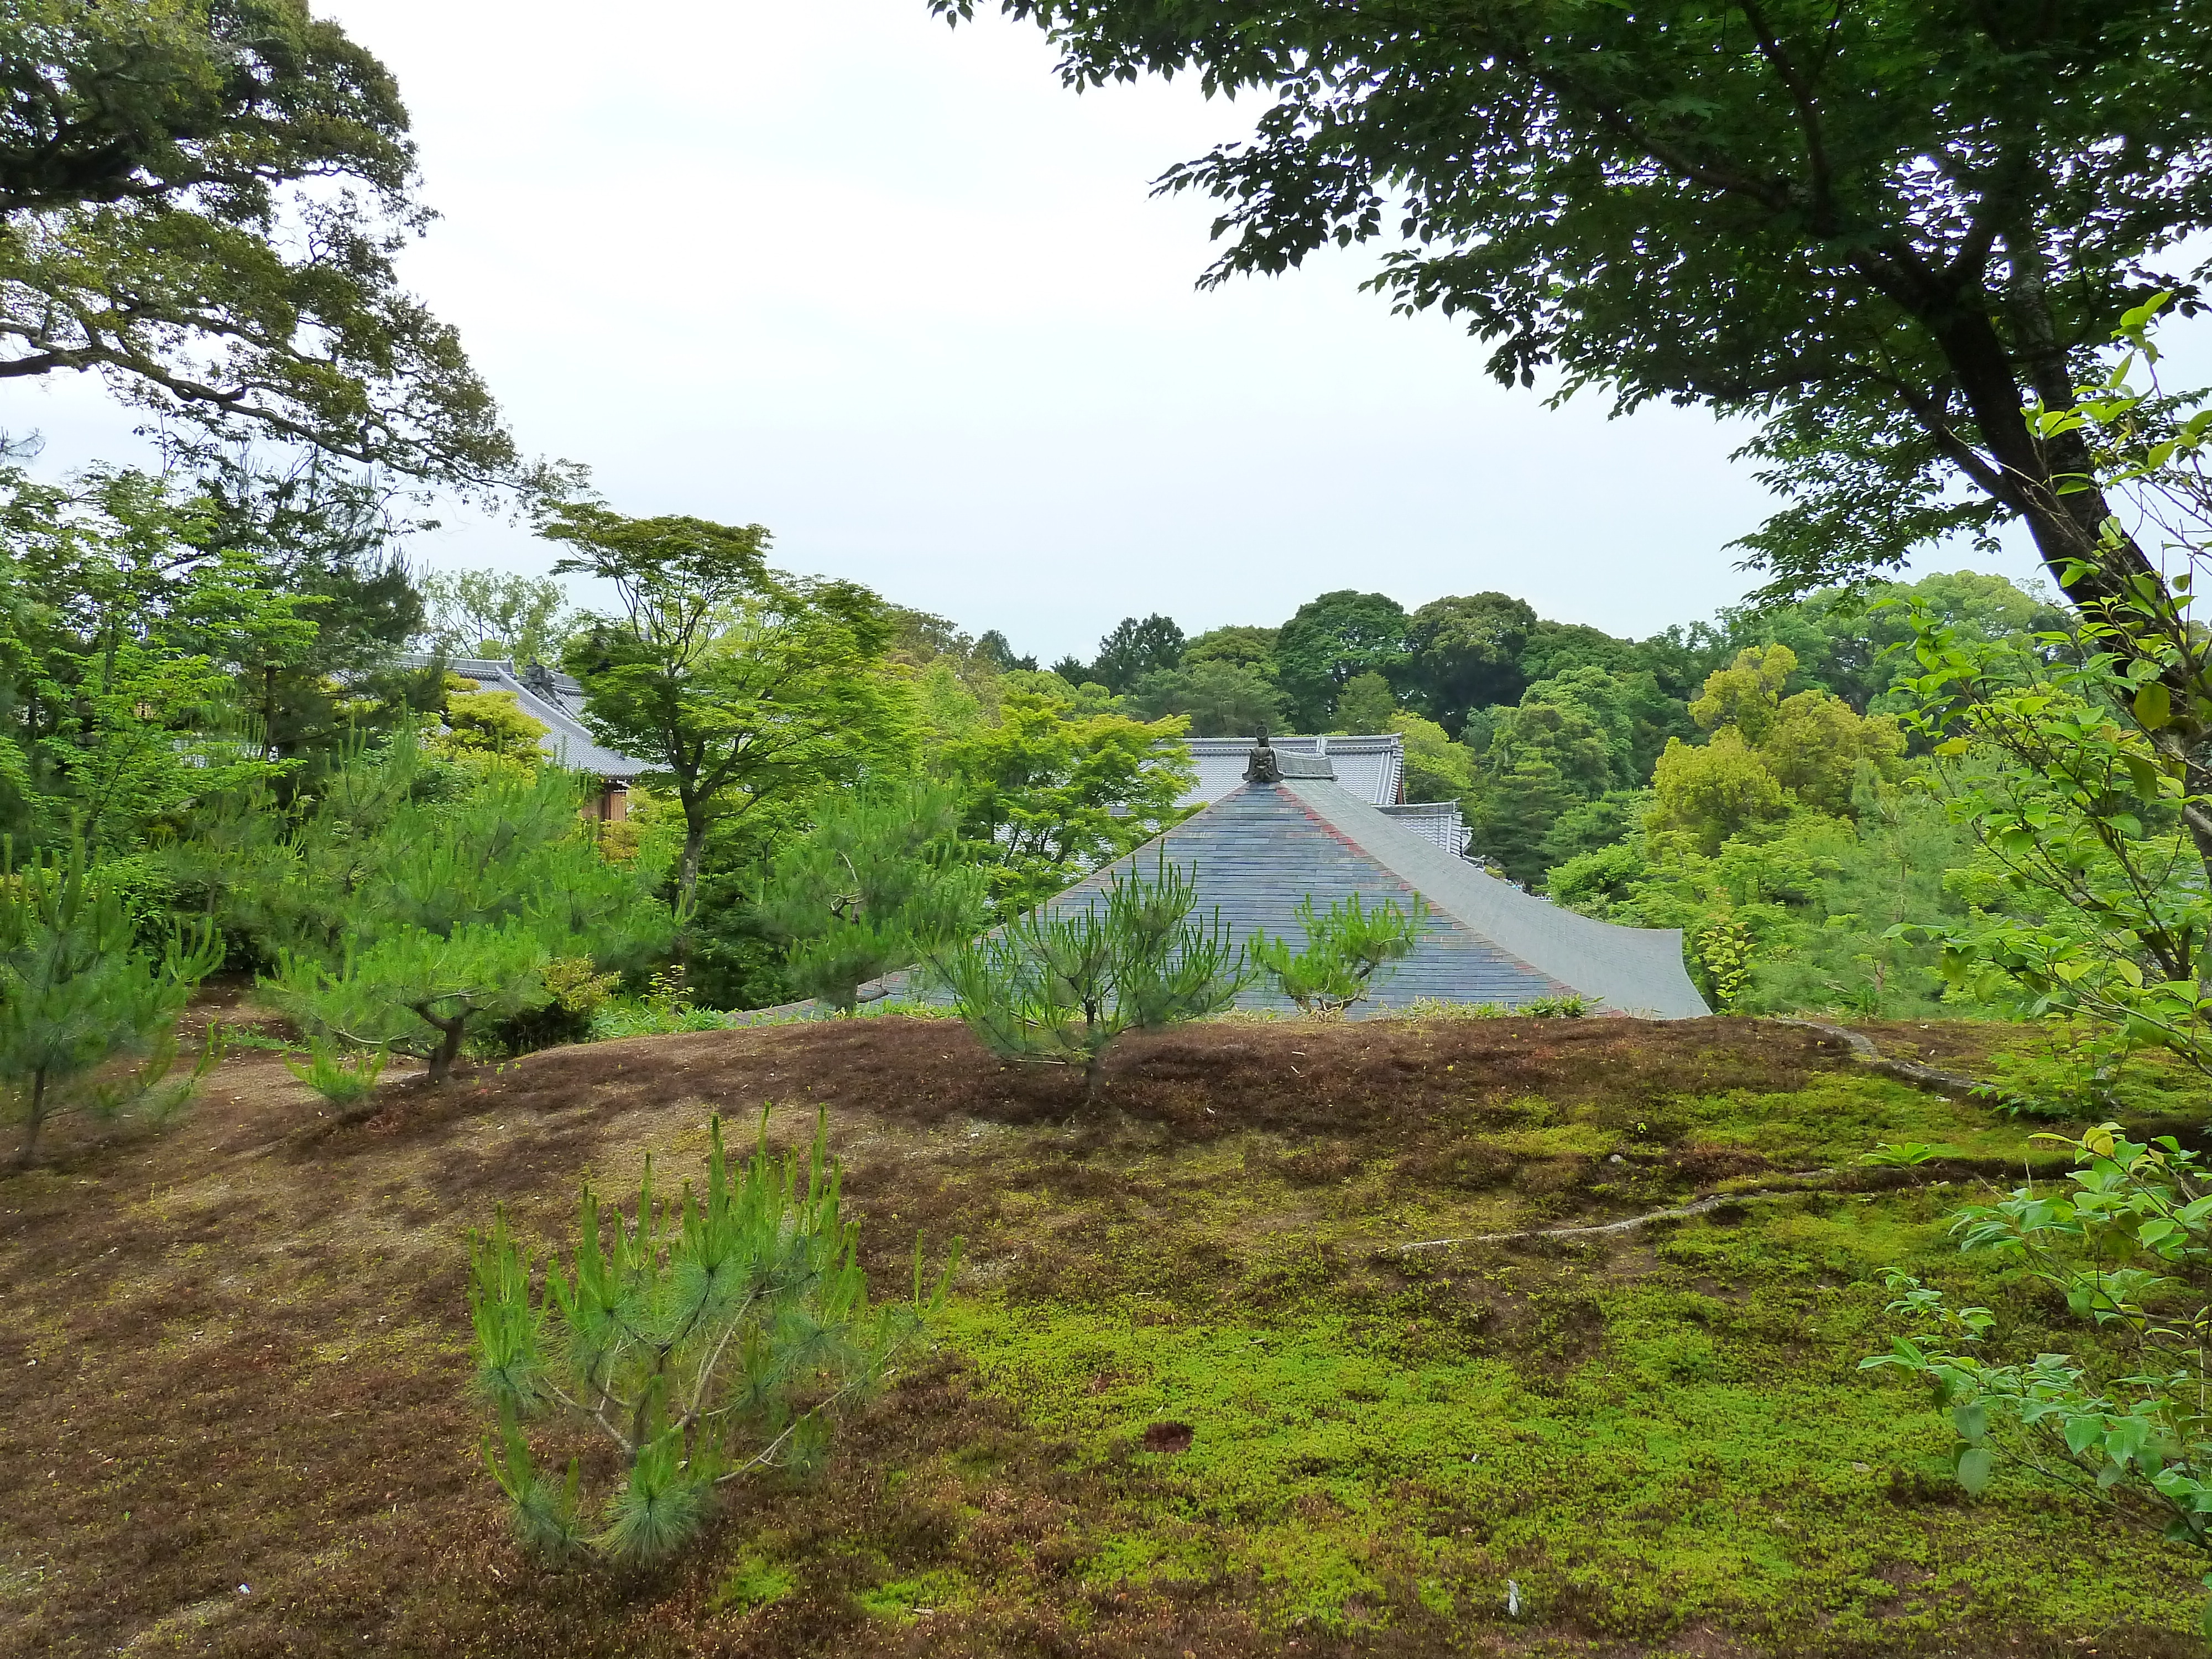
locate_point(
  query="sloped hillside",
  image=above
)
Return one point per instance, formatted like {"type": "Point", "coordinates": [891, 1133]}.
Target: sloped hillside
{"type": "Point", "coordinates": [1194, 1397]}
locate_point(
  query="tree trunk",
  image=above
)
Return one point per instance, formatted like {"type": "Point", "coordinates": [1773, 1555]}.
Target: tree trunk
{"type": "Point", "coordinates": [449, 1044]}
{"type": "Point", "coordinates": [31, 1123]}
{"type": "Point", "coordinates": [687, 866]}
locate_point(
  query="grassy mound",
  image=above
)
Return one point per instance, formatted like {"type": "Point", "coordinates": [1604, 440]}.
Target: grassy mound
{"type": "Point", "coordinates": [1194, 1396]}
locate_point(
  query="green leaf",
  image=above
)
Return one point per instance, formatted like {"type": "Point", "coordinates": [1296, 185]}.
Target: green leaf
{"type": "Point", "coordinates": [2083, 1432]}
{"type": "Point", "coordinates": [2152, 706]}
{"type": "Point", "coordinates": [1976, 1464]}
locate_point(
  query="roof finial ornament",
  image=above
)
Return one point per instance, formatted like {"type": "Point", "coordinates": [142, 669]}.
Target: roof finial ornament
{"type": "Point", "coordinates": [1263, 767]}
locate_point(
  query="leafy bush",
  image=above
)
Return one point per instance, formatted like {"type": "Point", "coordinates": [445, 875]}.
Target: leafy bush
{"type": "Point", "coordinates": [345, 1078]}
{"type": "Point", "coordinates": [580, 995]}
{"type": "Point", "coordinates": [709, 1338]}
{"type": "Point", "coordinates": [1345, 947]}
{"type": "Point", "coordinates": [1062, 989]}
{"type": "Point", "coordinates": [2128, 1243]}
{"type": "Point", "coordinates": [1566, 1007]}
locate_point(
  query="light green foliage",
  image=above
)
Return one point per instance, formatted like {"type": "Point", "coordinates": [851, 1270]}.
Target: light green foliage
{"type": "Point", "coordinates": [1062, 988]}
{"type": "Point", "coordinates": [489, 727]}
{"type": "Point", "coordinates": [1715, 791]}
{"type": "Point", "coordinates": [876, 884]}
{"type": "Point", "coordinates": [1746, 694]}
{"type": "Point", "coordinates": [1346, 947]}
{"type": "Point", "coordinates": [1436, 768]}
{"type": "Point", "coordinates": [345, 1078]}
{"type": "Point", "coordinates": [708, 1337]}
{"type": "Point", "coordinates": [1050, 793]}
{"type": "Point", "coordinates": [1842, 947]}
{"type": "Point", "coordinates": [2127, 1241]}
{"type": "Point", "coordinates": [1366, 704]}
{"type": "Point", "coordinates": [492, 613]}
{"type": "Point", "coordinates": [78, 991]}
{"type": "Point", "coordinates": [1570, 1007]}
{"type": "Point", "coordinates": [204, 205]}
{"type": "Point", "coordinates": [120, 640]}
{"type": "Point", "coordinates": [2083, 780]}
{"type": "Point", "coordinates": [1818, 749]}
{"type": "Point", "coordinates": [1768, 753]}
{"type": "Point", "coordinates": [443, 917]}
{"type": "Point", "coordinates": [736, 685]}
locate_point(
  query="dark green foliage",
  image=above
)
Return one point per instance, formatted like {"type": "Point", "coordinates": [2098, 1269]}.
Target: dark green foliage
{"type": "Point", "coordinates": [1220, 699]}
{"type": "Point", "coordinates": [709, 1338]}
{"type": "Point", "coordinates": [78, 990]}
{"type": "Point", "coordinates": [1134, 649]}
{"type": "Point", "coordinates": [1466, 653]}
{"type": "Point", "coordinates": [1882, 231]}
{"type": "Point", "coordinates": [1346, 947]}
{"type": "Point", "coordinates": [204, 203]}
{"type": "Point", "coordinates": [1329, 641]}
{"type": "Point", "coordinates": [1515, 808]}
{"type": "Point", "coordinates": [876, 884]}
{"type": "Point", "coordinates": [1063, 988]}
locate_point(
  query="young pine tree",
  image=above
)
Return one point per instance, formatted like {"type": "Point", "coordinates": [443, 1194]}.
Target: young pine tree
{"type": "Point", "coordinates": [457, 912]}
{"type": "Point", "coordinates": [1062, 989]}
{"type": "Point", "coordinates": [875, 885]}
{"type": "Point", "coordinates": [1345, 947]}
{"type": "Point", "coordinates": [710, 1337]}
{"type": "Point", "coordinates": [79, 992]}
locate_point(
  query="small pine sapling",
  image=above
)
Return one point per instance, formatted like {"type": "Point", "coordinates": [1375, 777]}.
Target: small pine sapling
{"type": "Point", "coordinates": [875, 885]}
{"type": "Point", "coordinates": [1347, 947]}
{"type": "Point", "coordinates": [78, 991]}
{"type": "Point", "coordinates": [345, 1077]}
{"type": "Point", "coordinates": [713, 1335]}
{"type": "Point", "coordinates": [1062, 989]}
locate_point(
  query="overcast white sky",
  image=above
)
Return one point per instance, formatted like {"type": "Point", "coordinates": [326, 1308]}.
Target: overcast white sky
{"type": "Point", "coordinates": [890, 290]}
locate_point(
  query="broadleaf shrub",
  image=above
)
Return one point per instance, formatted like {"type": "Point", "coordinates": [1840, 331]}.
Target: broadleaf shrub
{"type": "Point", "coordinates": [2127, 1242]}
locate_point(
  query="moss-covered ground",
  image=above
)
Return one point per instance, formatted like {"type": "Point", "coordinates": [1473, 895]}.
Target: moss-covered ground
{"type": "Point", "coordinates": [1195, 1397]}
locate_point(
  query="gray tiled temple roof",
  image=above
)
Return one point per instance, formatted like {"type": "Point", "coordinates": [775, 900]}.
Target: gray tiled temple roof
{"type": "Point", "coordinates": [1373, 767]}
{"type": "Point", "coordinates": [1438, 821]}
{"type": "Point", "coordinates": [1261, 849]}
{"type": "Point", "coordinates": [1635, 970]}
{"type": "Point", "coordinates": [555, 701]}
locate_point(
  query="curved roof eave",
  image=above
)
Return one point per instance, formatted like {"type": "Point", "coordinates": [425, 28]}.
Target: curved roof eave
{"type": "Point", "coordinates": [1633, 971]}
